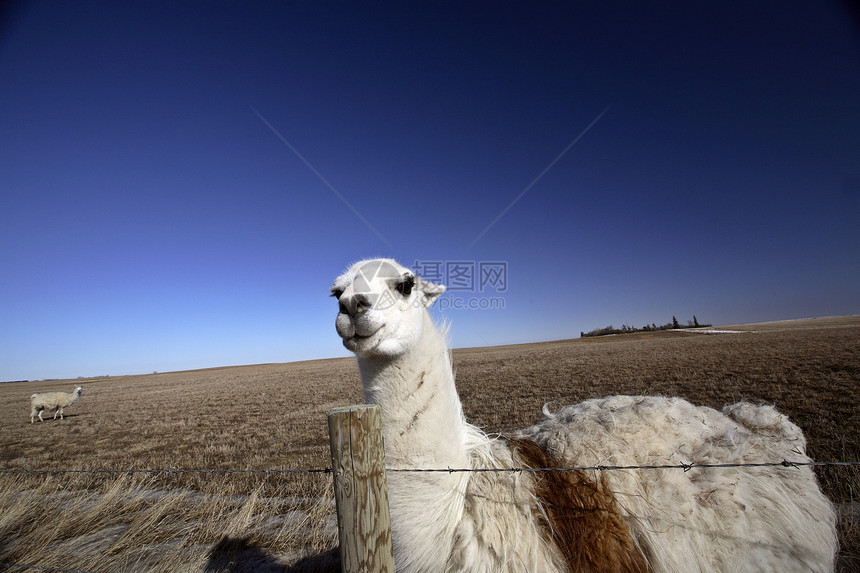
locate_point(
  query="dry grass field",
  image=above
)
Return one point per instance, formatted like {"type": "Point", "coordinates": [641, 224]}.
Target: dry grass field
{"type": "Point", "coordinates": [273, 416]}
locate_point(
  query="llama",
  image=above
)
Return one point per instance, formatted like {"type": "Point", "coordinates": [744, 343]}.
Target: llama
{"type": "Point", "coordinates": [666, 520]}
{"type": "Point", "coordinates": [55, 401]}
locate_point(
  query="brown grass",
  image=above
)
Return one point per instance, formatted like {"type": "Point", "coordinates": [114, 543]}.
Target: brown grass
{"type": "Point", "coordinates": [274, 417]}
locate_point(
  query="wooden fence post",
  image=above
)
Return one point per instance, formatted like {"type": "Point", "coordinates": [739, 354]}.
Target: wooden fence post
{"type": "Point", "coordinates": [358, 466]}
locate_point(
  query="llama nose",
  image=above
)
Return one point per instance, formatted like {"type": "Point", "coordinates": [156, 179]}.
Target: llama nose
{"type": "Point", "coordinates": [355, 304]}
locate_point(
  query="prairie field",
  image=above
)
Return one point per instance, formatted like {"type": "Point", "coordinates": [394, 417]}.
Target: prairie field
{"type": "Point", "coordinates": [273, 417]}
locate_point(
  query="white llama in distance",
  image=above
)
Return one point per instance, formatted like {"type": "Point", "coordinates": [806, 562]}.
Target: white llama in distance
{"type": "Point", "coordinates": [704, 519]}
{"type": "Point", "coordinates": [55, 401]}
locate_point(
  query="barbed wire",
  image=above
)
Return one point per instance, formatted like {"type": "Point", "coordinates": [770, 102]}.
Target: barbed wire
{"type": "Point", "coordinates": [167, 471]}
{"type": "Point", "coordinates": [679, 466]}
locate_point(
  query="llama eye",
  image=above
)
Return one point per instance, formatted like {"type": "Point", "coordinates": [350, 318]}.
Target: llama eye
{"type": "Point", "coordinates": [405, 284]}
{"type": "Point", "coordinates": [336, 292]}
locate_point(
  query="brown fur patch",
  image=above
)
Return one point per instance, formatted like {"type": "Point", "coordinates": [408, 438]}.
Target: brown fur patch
{"type": "Point", "coordinates": [581, 516]}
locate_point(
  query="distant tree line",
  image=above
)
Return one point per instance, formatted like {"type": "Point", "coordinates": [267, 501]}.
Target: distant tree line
{"type": "Point", "coordinates": [647, 328]}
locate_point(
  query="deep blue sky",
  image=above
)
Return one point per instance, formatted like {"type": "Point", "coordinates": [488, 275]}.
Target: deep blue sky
{"type": "Point", "coordinates": [153, 215]}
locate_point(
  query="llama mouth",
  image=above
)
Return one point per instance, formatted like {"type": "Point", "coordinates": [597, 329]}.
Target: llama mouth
{"type": "Point", "coordinates": [358, 336]}
{"type": "Point", "coordinates": [356, 340]}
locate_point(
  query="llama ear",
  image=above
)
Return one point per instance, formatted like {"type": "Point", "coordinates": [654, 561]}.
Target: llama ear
{"type": "Point", "coordinates": [431, 291]}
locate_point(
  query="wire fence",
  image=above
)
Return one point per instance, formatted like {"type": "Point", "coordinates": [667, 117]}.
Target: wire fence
{"type": "Point", "coordinates": [170, 471]}
{"type": "Point", "coordinates": [327, 470]}
{"type": "Point", "coordinates": [679, 466]}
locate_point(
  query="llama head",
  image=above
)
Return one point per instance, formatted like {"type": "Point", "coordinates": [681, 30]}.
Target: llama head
{"type": "Point", "coordinates": [78, 390]}
{"type": "Point", "coordinates": [381, 307]}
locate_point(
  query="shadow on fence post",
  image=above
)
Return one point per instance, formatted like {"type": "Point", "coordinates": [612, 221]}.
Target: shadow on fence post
{"type": "Point", "coordinates": [358, 464]}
